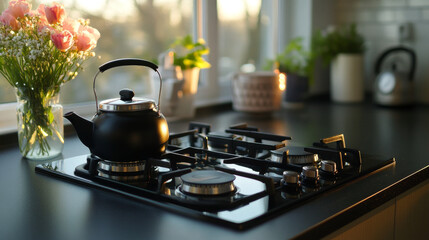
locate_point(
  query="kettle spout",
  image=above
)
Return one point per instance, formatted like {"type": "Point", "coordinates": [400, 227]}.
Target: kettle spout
{"type": "Point", "coordinates": [83, 127]}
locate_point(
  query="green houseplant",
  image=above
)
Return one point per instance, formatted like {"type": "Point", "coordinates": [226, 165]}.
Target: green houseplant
{"type": "Point", "coordinates": [343, 49]}
{"type": "Point", "coordinates": [294, 59]}
{"type": "Point", "coordinates": [297, 64]}
{"type": "Point", "coordinates": [188, 55]}
{"type": "Point", "coordinates": [181, 65]}
{"type": "Point", "coordinates": [332, 42]}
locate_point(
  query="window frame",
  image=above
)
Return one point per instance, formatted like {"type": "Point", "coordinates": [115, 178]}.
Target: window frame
{"type": "Point", "coordinates": [207, 28]}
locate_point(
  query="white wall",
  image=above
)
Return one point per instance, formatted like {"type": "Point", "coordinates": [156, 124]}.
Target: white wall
{"type": "Point", "coordinates": [322, 15]}
{"type": "Point", "coordinates": [378, 21]}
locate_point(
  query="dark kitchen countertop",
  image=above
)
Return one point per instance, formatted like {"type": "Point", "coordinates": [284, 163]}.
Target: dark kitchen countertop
{"type": "Point", "coordinates": [34, 206]}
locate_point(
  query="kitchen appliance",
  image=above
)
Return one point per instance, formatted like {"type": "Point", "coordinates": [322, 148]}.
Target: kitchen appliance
{"type": "Point", "coordinates": [393, 87]}
{"type": "Point", "coordinates": [237, 178]}
{"type": "Point", "coordinates": [124, 129]}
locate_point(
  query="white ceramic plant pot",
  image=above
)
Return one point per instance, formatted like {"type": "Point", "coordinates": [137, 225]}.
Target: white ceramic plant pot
{"type": "Point", "coordinates": [191, 77]}
{"type": "Point", "coordinates": [347, 84]}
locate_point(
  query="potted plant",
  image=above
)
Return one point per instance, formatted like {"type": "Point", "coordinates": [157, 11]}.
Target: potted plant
{"type": "Point", "coordinates": [295, 62]}
{"type": "Point", "coordinates": [188, 55]}
{"type": "Point", "coordinates": [342, 48]}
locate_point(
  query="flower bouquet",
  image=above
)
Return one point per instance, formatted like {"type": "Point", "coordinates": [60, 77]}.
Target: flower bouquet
{"type": "Point", "coordinates": [39, 51]}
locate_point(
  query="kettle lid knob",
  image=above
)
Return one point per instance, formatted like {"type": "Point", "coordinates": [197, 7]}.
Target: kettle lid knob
{"type": "Point", "coordinates": [126, 94]}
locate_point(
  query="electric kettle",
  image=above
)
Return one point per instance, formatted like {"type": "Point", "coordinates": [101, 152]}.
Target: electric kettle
{"type": "Point", "coordinates": [393, 87]}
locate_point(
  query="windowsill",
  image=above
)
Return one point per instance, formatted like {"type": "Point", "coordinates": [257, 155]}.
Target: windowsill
{"type": "Point", "coordinates": [206, 98]}
{"type": "Point", "coordinates": [8, 121]}
{"type": "Point", "coordinates": [9, 138]}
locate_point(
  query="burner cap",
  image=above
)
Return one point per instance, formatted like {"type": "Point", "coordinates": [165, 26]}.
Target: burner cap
{"type": "Point", "coordinates": [296, 155]}
{"type": "Point", "coordinates": [208, 182]}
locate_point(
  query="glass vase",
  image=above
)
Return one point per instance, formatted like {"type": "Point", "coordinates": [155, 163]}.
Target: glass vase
{"type": "Point", "coordinates": [40, 125]}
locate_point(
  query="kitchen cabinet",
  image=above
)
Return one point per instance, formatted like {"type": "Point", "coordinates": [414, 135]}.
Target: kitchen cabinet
{"type": "Point", "coordinates": [405, 217]}
{"type": "Point", "coordinates": [377, 224]}
{"type": "Point", "coordinates": [412, 213]}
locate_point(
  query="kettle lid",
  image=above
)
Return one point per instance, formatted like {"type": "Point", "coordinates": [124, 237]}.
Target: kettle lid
{"type": "Point", "coordinates": [126, 103]}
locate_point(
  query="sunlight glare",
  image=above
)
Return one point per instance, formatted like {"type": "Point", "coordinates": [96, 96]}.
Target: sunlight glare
{"type": "Point", "coordinates": [118, 10]}
{"type": "Point", "coordinates": [235, 10]}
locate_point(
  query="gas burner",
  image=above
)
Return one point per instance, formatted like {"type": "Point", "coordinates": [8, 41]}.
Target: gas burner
{"type": "Point", "coordinates": [125, 171]}
{"type": "Point", "coordinates": [121, 167]}
{"type": "Point", "coordinates": [208, 183]}
{"type": "Point", "coordinates": [122, 178]}
{"type": "Point", "coordinates": [293, 155]}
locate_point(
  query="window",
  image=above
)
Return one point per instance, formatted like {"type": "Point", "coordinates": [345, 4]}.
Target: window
{"type": "Point", "coordinates": [240, 24]}
{"type": "Point", "coordinates": [237, 32]}
{"type": "Point", "coordinates": [129, 28]}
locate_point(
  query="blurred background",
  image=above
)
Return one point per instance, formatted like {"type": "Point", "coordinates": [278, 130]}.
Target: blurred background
{"type": "Point", "coordinates": [240, 33]}
{"type": "Point", "coordinates": [145, 29]}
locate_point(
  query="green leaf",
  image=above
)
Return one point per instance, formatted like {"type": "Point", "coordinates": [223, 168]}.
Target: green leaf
{"type": "Point", "coordinates": [193, 54]}
{"type": "Point", "coordinates": [50, 117]}
{"type": "Point", "coordinates": [293, 59]}
{"type": "Point", "coordinates": [342, 40]}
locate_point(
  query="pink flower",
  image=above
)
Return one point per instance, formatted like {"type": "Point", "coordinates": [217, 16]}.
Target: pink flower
{"type": "Point", "coordinates": [87, 38]}
{"type": "Point", "coordinates": [44, 26]}
{"type": "Point", "coordinates": [85, 41]}
{"type": "Point", "coordinates": [95, 33]}
{"type": "Point", "coordinates": [43, 22]}
{"type": "Point", "coordinates": [33, 13]}
{"type": "Point", "coordinates": [41, 10]}
{"type": "Point", "coordinates": [62, 40]}
{"type": "Point", "coordinates": [55, 14]}
{"type": "Point", "coordinates": [18, 8]}
{"type": "Point", "coordinates": [9, 20]}
{"type": "Point", "coordinates": [72, 26]}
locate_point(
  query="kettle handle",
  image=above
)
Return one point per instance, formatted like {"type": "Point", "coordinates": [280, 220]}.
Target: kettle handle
{"type": "Point", "coordinates": [395, 49]}
{"type": "Point", "coordinates": [127, 62]}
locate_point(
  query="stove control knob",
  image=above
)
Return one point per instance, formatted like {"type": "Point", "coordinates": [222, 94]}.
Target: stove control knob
{"type": "Point", "coordinates": [310, 174]}
{"type": "Point", "coordinates": [290, 182]}
{"type": "Point", "coordinates": [290, 177]}
{"type": "Point", "coordinates": [328, 166]}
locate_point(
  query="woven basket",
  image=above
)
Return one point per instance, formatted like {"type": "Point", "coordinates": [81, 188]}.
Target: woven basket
{"type": "Point", "coordinates": [256, 92]}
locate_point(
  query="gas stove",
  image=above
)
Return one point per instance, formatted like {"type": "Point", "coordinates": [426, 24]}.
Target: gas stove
{"type": "Point", "coordinates": [238, 177]}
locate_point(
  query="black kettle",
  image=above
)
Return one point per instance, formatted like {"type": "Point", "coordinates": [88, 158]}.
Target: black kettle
{"type": "Point", "coordinates": [393, 87]}
{"type": "Point", "coordinates": [124, 129]}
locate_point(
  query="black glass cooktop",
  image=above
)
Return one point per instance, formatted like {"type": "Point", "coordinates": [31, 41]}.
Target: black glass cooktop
{"type": "Point", "coordinates": [237, 186]}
